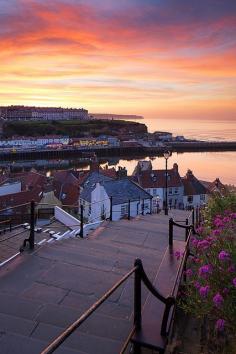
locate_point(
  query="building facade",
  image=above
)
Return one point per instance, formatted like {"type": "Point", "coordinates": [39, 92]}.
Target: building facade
{"type": "Point", "coordinates": [42, 113]}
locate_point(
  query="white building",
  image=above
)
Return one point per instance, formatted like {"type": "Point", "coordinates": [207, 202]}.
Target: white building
{"type": "Point", "coordinates": [102, 195]}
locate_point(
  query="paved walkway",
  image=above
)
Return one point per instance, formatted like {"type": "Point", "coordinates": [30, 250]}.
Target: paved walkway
{"type": "Point", "coordinates": [43, 292]}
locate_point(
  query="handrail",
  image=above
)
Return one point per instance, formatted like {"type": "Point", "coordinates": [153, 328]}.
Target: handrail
{"type": "Point", "coordinates": [65, 334]}
{"type": "Point", "coordinates": [147, 282]}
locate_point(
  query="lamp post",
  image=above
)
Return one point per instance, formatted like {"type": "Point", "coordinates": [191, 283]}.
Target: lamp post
{"type": "Point", "coordinates": [166, 156]}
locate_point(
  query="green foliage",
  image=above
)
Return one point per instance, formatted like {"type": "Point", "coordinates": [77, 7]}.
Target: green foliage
{"type": "Point", "coordinates": [72, 128]}
{"type": "Point", "coordinates": [210, 289]}
{"type": "Point", "coordinates": [218, 204]}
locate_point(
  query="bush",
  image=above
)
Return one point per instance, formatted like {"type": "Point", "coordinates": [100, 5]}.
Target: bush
{"type": "Point", "coordinates": [210, 288]}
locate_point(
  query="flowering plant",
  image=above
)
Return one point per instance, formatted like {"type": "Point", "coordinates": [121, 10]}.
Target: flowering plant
{"type": "Point", "coordinates": [210, 288]}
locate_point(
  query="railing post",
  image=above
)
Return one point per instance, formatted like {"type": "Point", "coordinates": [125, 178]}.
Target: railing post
{"type": "Point", "coordinates": [197, 216]}
{"type": "Point", "coordinates": [137, 294]}
{"type": "Point", "coordinates": [193, 218]}
{"type": "Point", "coordinates": [32, 221]}
{"type": "Point", "coordinates": [171, 229]}
{"type": "Point", "coordinates": [186, 230]}
{"type": "Point", "coordinates": [81, 232]}
{"type": "Point", "coordinates": [150, 205]}
{"type": "Point", "coordinates": [143, 207]}
{"type": "Point", "coordinates": [129, 209]}
{"type": "Point", "coordinates": [111, 208]}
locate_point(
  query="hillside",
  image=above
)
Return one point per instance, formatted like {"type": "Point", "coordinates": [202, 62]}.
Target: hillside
{"type": "Point", "coordinates": [72, 128]}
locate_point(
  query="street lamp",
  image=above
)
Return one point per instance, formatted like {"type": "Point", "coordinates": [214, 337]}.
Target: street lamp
{"type": "Point", "coordinates": [166, 156]}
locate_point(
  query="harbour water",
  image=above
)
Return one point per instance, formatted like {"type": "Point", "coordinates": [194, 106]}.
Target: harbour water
{"type": "Point", "coordinates": [205, 165]}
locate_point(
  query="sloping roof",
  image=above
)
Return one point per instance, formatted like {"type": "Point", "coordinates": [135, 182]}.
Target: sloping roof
{"type": "Point", "coordinates": [123, 190]}
{"type": "Point", "coordinates": [192, 186]}
{"type": "Point", "coordinates": [157, 179]}
{"type": "Point", "coordinates": [216, 186]}
{"type": "Point", "coordinates": [30, 179]}
{"type": "Point", "coordinates": [14, 199]}
{"type": "Point", "coordinates": [66, 186]}
{"type": "Point", "coordinates": [89, 184]}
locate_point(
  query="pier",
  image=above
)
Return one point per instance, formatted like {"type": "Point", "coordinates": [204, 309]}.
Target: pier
{"type": "Point", "coordinates": [138, 151]}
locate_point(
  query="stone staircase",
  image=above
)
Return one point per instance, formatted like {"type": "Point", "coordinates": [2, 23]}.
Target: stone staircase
{"type": "Point", "coordinates": [44, 292]}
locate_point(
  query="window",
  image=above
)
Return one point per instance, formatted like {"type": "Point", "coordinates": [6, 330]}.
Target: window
{"type": "Point", "coordinates": [176, 190]}
{"type": "Point", "coordinates": [190, 199]}
{"type": "Point", "coordinates": [154, 191]}
{"type": "Point", "coordinates": [170, 190]}
{"type": "Point", "coordinates": [148, 190]}
{"type": "Point", "coordinates": [202, 197]}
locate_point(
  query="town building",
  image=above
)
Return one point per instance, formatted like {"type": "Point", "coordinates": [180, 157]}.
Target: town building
{"type": "Point", "coordinates": [102, 195]}
{"type": "Point", "coordinates": [195, 193]}
{"type": "Point", "coordinates": [216, 187]}
{"type": "Point", "coordinates": [154, 182]}
{"type": "Point", "coordinates": [26, 142]}
{"type": "Point", "coordinates": [42, 113]}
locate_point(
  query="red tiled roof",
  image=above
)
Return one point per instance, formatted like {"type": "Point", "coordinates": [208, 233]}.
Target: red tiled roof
{"type": "Point", "coordinates": [30, 179]}
{"type": "Point", "coordinates": [215, 187]}
{"type": "Point", "coordinates": [157, 179]}
{"type": "Point", "coordinates": [14, 199]}
{"type": "Point", "coordinates": [192, 186]}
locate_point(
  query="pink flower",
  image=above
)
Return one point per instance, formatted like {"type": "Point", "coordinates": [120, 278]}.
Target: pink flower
{"type": "Point", "coordinates": [216, 232]}
{"type": "Point", "coordinates": [197, 285]}
{"type": "Point", "coordinates": [203, 245]}
{"type": "Point", "coordinates": [220, 325]}
{"type": "Point", "coordinates": [194, 241]}
{"type": "Point", "coordinates": [224, 256]}
{"type": "Point", "coordinates": [205, 270]}
{"type": "Point", "coordinates": [226, 219]}
{"type": "Point", "coordinates": [199, 229]}
{"type": "Point", "coordinates": [177, 255]}
{"type": "Point", "coordinates": [189, 272]}
{"type": "Point", "coordinates": [234, 282]}
{"type": "Point", "coordinates": [204, 290]}
{"type": "Point", "coordinates": [218, 300]}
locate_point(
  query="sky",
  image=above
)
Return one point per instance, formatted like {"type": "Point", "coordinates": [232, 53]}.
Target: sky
{"type": "Point", "coordinates": [156, 58]}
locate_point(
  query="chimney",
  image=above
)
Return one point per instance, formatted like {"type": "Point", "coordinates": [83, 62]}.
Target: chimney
{"type": "Point", "coordinates": [121, 173]}
{"type": "Point", "coordinates": [94, 164]}
{"type": "Point", "coordinates": [176, 168]}
{"type": "Point", "coordinates": [217, 182]}
{"type": "Point", "coordinates": [189, 175]}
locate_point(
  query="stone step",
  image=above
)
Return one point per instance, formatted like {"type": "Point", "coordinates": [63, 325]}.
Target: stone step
{"type": "Point", "coordinates": [11, 343]}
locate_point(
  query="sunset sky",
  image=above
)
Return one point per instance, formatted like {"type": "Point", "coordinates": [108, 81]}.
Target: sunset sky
{"type": "Point", "coordinates": [157, 58]}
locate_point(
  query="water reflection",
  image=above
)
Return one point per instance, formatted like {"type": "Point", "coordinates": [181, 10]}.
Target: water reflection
{"type": "Point", "coordinates": [205, 165]}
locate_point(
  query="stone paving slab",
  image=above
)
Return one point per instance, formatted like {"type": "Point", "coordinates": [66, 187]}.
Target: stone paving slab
{"type": "Point", "coordinates": [13, 305]}
{"type": "Point", "coordinates": [71, 277]}
{"type": "Point", "coordinates": [85, 342]}
{"type": "Point", "coordinates": [44, 293]}
{"type": "Point", "coordinates": [15, 324]}
{"type": "Point", "coordinates": [78, 258]}
{"type": "Point", "coordinates": [15, 344]}
{"type": "Point", "coordinates": [19, 275]}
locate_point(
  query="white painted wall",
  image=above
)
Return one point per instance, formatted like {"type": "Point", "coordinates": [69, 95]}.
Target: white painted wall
{"type": "Point", "coordinates": [197, 201]}
{"type": "Point", "coordinates": [10, 188]}
{"type": "Point", "coordinates": [66, 219]}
